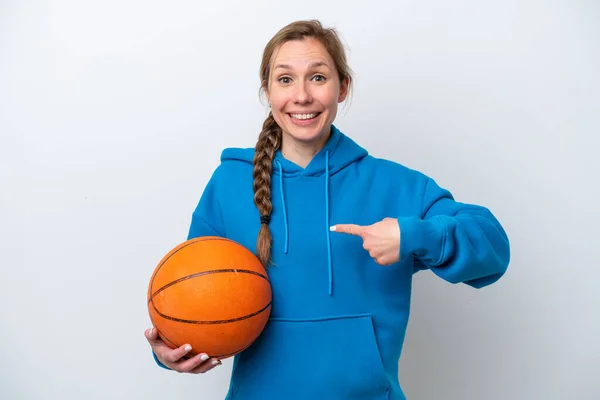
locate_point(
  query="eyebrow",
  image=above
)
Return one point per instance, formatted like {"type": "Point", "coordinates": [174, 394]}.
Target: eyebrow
{"type": "Point", "coordinates": [312, 65]}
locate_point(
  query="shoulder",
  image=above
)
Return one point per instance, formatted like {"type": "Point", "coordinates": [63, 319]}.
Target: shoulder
{"type": "Point", "coordinates": [236, 164]}
{"type": "Point", "coordinates": [393, 170]}
{"type": "Point", "coordinates": [243, 154]}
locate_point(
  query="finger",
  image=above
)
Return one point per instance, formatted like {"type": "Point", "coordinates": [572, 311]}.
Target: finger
{"type": "Point", "coordinates": [173, 355]}
{"type": "Point", "coordinates": [155, 341]}
{"type": "Point", "coordinates": [351, 229]}
{"type": "Point", "coordinates": [162, 350]}
{"type": "Point", "coordinates": [152, 336]}
{"type": "Point", "coordinates": [192, 363]}
{"type": "Point", "coordinates": [206, 366]}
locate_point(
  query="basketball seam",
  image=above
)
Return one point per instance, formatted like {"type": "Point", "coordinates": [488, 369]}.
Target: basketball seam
{"type": "Point", "coordinates": [189, 243]}
{"type": "Point", "coordinates": [212, 322]}
{"type": "Point", "coordinates": [162, 334]}
{"type": "Point", "coordinates": [232, 353]}
{"type": "Point", "coordinates": [193, 353]}
{"type": "Point", "coordinates": [213, 271]}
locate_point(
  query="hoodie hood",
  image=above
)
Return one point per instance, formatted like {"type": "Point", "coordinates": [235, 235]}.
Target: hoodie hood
{"type": "Point", "coordinates": [339, 152]}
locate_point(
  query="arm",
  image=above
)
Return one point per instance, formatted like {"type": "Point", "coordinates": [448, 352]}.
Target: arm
{"type": "Point", "coordinates": [459, 242]}
{"type": "Point", "coordinates": [207, 218]}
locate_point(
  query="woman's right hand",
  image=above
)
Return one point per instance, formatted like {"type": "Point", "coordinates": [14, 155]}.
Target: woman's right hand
{"type": "Point", "coordinates": [172, 358]}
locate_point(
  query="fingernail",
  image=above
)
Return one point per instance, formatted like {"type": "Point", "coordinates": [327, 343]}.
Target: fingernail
{"type": "Point", "coordinates": [332, 228]}
{"type": "Point", "coordinates": [216, 362]}
{"type": "Point", "coordinates": [204, 357]}
{"type": "Point", "coordinates": [187, 347]}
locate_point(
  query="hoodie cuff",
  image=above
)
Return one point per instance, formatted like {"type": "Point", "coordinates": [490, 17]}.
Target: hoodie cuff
{"type": "Point", "coordinates": [422, 239]}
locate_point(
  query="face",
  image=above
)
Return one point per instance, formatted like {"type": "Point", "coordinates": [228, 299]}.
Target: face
{"type": "Point", "coordinates": [304, 90]}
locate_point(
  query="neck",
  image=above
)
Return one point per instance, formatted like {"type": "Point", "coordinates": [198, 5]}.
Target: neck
{"type": "Point", "coordinates": [301, 153]}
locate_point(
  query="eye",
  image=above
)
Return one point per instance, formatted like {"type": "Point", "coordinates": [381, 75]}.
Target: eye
{"type": "Point", "coordinates": [285, 80]}
{"type": "Point", "coordinates": [319, 78]}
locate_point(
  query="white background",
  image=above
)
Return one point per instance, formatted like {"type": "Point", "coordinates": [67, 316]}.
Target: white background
{"type": "Point", "coordinates": [113, 115]}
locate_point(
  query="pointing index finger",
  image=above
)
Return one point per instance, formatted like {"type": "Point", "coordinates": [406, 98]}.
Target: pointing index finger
{"type": "Point", "coordinates": [351, 229]}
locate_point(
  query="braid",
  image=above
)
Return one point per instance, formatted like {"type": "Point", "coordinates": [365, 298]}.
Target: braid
{"type": "Point", "coordinates": [270, 138]}
{"type": "Point", "coordinates": [268, 143]}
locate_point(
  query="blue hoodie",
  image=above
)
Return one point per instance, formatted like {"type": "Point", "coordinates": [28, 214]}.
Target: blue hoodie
{"type": "Point", "coordinates": [338, 319]}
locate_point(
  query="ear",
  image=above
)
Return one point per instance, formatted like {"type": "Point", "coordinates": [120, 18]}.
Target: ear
{"type": "Point", "coordinates": [345, 85]}
{"type": "Point", "coordinates": [265, 89]}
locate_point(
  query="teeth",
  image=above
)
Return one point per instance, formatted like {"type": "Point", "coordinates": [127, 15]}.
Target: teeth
{"type": "Point", "coordinates": [304, 116]}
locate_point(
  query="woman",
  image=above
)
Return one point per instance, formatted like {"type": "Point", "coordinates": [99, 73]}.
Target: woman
{"type": "Point", "coordinates": [342, 234]}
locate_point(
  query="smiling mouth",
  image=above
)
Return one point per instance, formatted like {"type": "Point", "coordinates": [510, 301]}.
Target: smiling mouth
{"type": "Point", "coordinates": [304, 117]}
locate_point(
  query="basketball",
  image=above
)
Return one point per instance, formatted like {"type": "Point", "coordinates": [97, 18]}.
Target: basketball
{"type": "Point", "coordinates": [211, 293]}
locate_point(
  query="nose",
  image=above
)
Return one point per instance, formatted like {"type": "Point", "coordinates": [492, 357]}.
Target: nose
{"type": "Point", "coordinates": [302, 94]}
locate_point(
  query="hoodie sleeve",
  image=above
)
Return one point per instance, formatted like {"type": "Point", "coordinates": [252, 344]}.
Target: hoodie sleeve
{"type": "Point", "coordinates": [207, 220]}
{"type": "Point", "coordinates": [458, 242]}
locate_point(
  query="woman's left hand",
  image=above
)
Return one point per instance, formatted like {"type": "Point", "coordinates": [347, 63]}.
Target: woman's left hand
{"type": "Point", "coordinates": [381, 240]}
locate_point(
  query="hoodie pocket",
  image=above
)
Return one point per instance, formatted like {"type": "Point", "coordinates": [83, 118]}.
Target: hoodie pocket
{"type": "Point", "coordinates": [330, 358]}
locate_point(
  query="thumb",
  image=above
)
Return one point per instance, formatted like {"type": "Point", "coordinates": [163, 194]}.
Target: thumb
{"type": "Point", "coordinates": [351, 229]}
{"type": "Point", "coordinates": [152, 336]}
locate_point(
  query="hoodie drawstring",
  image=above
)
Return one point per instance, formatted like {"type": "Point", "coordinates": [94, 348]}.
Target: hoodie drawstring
{"type": "Point", "coordinates": [285, 249]}
{"type": "Point", "coordinates": [329, 263]}
{"type": "Point", "coordinates": [285, 220]}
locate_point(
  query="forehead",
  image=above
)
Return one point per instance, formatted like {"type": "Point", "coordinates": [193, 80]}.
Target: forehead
{"type": "Point", "coordinates": [301, 53]}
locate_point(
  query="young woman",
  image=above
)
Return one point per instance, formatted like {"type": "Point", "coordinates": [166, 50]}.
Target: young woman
{"type": "Point", "coordinates": [341, 232]}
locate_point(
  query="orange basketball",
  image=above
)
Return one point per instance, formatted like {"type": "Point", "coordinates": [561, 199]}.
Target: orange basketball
{"type": "Point", "coordinates": [212, 293]}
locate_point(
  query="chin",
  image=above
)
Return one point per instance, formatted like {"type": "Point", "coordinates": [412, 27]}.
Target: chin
{"type": "Point", "coordinates": [306, 135]}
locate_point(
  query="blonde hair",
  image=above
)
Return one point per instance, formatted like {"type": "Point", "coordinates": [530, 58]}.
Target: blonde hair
{"type": "Point", "coordinates": [269, 139]}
